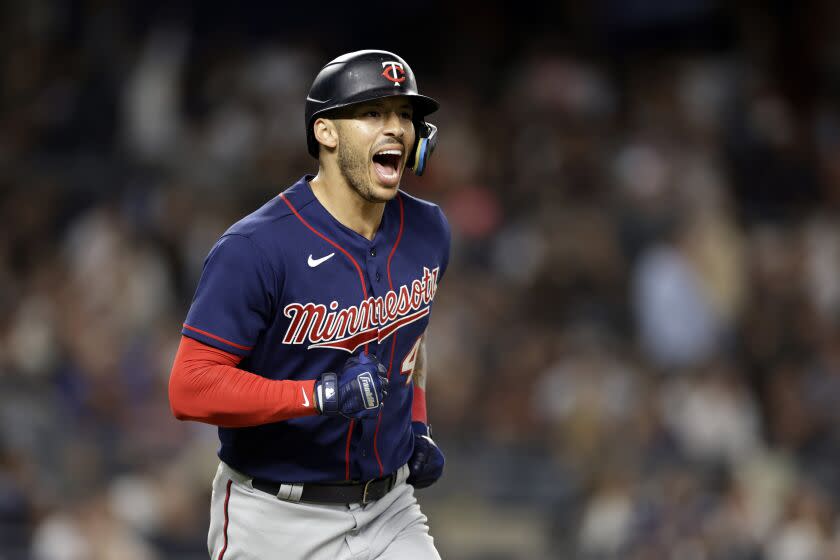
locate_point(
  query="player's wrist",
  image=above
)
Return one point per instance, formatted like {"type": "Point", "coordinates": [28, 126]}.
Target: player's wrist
{"type": "Point", "coordinates": [421, 428]}
{"type": "Point", "coordinates": [426, 463]}
{"type": "Point", "coordinates": [326, 394]}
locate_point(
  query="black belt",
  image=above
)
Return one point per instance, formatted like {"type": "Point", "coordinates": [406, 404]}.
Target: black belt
{"type": "Point", "coordinates": [337, 493]}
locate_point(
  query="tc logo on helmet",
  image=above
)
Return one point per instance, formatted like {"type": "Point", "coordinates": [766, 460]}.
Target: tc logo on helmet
{"type": "Point", "coordinates": [394, 72]}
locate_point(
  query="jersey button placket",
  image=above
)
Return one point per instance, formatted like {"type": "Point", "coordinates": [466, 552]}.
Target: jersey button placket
{"type": "Point", "coordinates": [375, 273]}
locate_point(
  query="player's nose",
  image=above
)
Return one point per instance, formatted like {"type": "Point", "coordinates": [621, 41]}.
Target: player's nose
{"type": "Point", "coordinates": [394, 125]}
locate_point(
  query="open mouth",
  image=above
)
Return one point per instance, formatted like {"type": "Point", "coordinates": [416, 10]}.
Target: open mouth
{"type": "Point", "coordinates": [387, 165]}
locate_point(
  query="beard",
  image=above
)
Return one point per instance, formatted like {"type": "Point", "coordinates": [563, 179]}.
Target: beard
{"type": "Point", "coordinates": [355, 168]}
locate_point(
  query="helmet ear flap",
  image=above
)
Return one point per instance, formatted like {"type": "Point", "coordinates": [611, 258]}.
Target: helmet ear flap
{"type": "Point", "coordinates": [423, 147]}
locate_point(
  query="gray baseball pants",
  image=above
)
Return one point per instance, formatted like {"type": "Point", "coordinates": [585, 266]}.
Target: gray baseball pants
{"type": "Point", "coordinates": [248, 524]}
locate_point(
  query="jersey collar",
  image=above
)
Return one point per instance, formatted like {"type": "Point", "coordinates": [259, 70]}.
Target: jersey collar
{"type": "Point", "coordinates": [301, 196]}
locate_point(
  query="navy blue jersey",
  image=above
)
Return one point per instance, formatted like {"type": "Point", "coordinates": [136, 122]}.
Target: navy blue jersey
{"type": "Point", "coordinates": [295, 293]}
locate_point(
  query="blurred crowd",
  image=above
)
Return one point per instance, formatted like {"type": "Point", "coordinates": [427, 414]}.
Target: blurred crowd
{"type": "Point", "coordinates": [635, 352]}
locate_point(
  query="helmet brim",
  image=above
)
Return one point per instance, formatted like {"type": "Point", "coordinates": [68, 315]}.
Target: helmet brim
{"type": "Point", "coordinates": [422, 104]}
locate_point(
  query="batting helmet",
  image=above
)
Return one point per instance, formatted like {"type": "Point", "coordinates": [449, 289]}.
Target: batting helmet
{"type": "Point", "coordinates": [364, 76]}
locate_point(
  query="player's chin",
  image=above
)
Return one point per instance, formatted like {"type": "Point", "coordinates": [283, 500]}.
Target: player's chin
{"type": "Point", "coordinates": [385, 188]}
{"type": "Point", "coordinates": [382, 194]}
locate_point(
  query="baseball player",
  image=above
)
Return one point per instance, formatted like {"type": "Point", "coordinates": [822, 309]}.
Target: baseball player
{"type": "Point", "coordinates": [305, 344]}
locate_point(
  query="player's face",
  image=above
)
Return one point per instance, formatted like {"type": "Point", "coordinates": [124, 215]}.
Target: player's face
{"type": "Point", "coordinates": [373, 146]}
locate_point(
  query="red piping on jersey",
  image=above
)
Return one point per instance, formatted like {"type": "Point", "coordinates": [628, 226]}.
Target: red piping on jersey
{"type": "Point", "coordinates": [219, 338]}
{"type": "Point", "coordinates": [375, 450]}
{"type": "Point", "coordinates": [227, 518]}
{"type": "Point", "coordinates": [391, 282]}
{"type": "Point", "coordinates": [394, 340]}
{"type": "Point", "coordinates": [364, 293]}
{"type": "Point", "coordinates": [347, 451]}
{"type": "Point", "coordinates": [331, 242]}
{"type": "Point", "coordinates": [396, 243]}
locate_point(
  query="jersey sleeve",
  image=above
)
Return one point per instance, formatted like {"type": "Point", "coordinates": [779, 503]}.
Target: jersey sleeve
{"type": "Point", "coordinates": [234, 299]}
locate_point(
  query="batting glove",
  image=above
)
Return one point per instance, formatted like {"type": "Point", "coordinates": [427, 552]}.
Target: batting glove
{"type": "Point", "coordinates": [357, 392]}
{"type": "Point", "coordinates": [426, 463]}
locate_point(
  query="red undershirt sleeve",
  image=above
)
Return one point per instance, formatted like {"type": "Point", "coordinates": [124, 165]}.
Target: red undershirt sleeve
{"type": "Point", "coordinates": [418, 405]}
{"type": "Point", "coordinates": [206, 386]}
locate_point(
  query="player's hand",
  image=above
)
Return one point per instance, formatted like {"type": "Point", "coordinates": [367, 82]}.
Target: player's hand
{"type": "Point", "coordinates": [426, 463]}
{"type": "Point", "coordinates": [357, 392]}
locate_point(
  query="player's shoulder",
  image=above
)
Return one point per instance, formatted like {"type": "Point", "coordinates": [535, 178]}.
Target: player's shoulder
{"type": "Point", "coordinates": [429, 213]}
{"type": "Point", "coordinates": [270, 219]}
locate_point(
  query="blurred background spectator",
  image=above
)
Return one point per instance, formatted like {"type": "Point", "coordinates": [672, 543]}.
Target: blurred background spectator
{"type": "Point", "coordinates": [639, 333]}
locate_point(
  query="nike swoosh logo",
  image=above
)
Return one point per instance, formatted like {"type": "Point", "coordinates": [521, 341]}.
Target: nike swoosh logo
{"type": "Point", "coordinates": [305, 397]}
{"type": "Point", "coordinates": [315, 262]}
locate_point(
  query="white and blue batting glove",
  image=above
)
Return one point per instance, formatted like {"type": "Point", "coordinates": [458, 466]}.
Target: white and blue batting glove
{"type": "Point", "coordinates": [357, 393]}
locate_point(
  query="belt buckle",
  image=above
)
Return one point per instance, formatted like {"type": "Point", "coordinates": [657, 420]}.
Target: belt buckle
{"type": "Point", "coordinates": [365, 493]}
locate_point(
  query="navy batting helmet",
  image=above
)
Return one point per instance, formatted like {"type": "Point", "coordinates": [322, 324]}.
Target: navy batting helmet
{"type": "Point", "coordinates": [364, 76]}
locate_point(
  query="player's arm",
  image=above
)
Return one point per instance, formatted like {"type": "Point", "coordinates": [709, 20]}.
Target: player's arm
{"type": "Point", "coordinates": [418, 378]}
{"type": "Point", "coordinates": [426, 462]}
{"type": "Point", "coordinates": [231, 308]}
{"type": "Point", "coordinates": [205, 385]}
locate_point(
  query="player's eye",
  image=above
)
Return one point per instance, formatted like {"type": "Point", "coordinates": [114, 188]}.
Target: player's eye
{"type": "Point", "coordinates": [406, 115]}
{"type": "Point", "coordinates": [372, 113]}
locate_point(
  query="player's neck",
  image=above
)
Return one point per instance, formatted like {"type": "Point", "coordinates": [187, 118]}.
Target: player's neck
{"type": "Point", "coordinates": [346, 206]}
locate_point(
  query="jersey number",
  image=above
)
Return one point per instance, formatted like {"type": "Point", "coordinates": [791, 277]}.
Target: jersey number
{"type": "Point", "coordinates": [410, 360]}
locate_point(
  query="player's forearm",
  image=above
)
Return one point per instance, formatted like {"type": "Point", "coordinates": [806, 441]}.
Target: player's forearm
{"type": "Point", "coordinates": [206, 387]}
{"type": "Point", "coordinates": [418, 378]}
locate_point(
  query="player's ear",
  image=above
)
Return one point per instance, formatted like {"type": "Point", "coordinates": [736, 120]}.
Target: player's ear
{"type": "Point", "coordinates": [325, 132]}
